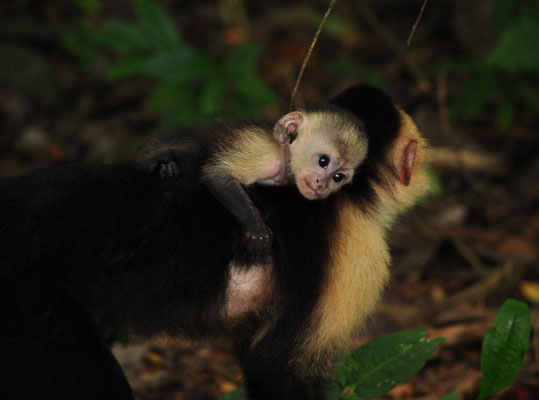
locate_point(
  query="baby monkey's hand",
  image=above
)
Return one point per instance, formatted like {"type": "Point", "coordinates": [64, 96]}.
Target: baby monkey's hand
{"type": "Point", "coordinates": [257, 240]}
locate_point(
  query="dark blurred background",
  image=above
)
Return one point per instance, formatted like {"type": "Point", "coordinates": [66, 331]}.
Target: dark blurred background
{"type": "Point", "coordinates": [91, 80]}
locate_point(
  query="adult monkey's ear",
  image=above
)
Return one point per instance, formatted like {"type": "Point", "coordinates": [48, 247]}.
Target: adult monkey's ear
{"type": "Point", "coordinates": [287, 128]}
{"type": "Point", "coordinates": [406, 164]}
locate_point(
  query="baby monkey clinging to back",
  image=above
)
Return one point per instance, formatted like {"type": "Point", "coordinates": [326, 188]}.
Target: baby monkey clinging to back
{"type": "Point", "coordinates": [317, 149]}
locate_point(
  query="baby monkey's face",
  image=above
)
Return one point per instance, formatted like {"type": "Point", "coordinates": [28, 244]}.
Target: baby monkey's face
{"type": "Point", "coordinates": [325, 152]}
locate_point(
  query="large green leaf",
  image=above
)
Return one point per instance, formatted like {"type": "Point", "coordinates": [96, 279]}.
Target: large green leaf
{"type": "Point", "coordinates": [503, 349]}
{"type": "Point", "coordinates": [381, 364]}
{"type": "Point", "coordinates": [157, 23]}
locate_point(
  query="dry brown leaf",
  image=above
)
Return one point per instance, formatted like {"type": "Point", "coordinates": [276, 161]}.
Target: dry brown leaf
{"type": "Point", "coordinates": [516, 245]}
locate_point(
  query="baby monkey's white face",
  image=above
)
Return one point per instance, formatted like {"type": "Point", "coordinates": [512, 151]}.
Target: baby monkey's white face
{"type": "Point", "coordinates": [325, 148]}
{"type": "Point", "coordinates": [324, 173]}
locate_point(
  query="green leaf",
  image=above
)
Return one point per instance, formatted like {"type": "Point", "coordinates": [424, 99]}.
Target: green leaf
{"type": "Point", "coordinates": [518, 47]}
{"type": "Point", "coordinates": [127, 68]}
{"type": "Point", "coordinates": [253, 89]}
{"type": "Point", "coordinates": [451, 396]}
{"type": "Point", "coordinates": [349, 366]}
{"type": "Point", "coordinates": [333, 391]}
{"type": "Point", "coordinates": [241, 60]}
{"type": "Point", "coordinates": [179, 65]}
{"type": "Point", "coordinates": [174, 67]}
{"type": "Point", "coordinates": [238, 394]}
{"type": "Point", "coordinates": [124, 37]}
{"type": "Point", "coordinates": [503, 349]}
{"type": "Point", "coordinates": [157, 23]}
{"type": "Point", "coordinates": [384, 362]}
{"type": "Point", "coordinates": [211, 98]}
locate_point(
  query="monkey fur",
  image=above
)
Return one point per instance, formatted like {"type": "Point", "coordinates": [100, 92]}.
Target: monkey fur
{"type": "Point", "coordinates": [317, 149]}
{"type": "Point", "coordinates": [88, 249]}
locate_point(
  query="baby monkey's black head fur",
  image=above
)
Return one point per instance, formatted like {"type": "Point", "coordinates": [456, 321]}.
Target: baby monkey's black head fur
{"type": "Point", "coordinates": [382, 123]}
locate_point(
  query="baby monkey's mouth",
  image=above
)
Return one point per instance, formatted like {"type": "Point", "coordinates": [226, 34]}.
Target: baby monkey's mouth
{"type": "Point", "coordinates": [310, 192]}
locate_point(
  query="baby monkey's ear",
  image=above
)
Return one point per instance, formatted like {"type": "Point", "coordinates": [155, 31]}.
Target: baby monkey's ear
{"type": "Point", "coordinates": [287, 128]}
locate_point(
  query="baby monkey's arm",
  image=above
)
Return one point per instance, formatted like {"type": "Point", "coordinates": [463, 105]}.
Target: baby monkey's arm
{"type": "Point", "coordinates": [256, 236]}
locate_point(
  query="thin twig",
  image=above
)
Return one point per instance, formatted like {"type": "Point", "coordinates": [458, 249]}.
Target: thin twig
{"type": "Point", "coordinates": [393, 43]}
{"type": "Point", "coordinates": [417, 22]}
{"type": "Point", "coordinates": [468, 254]}
{"type": "Point", "coordinates": [308, 56]}
{"type": "Point", "coordinates": [443, 109]}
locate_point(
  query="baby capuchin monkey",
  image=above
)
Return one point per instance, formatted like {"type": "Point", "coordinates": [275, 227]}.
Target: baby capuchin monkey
{"type": "Point", "coordinates": [317, 149]}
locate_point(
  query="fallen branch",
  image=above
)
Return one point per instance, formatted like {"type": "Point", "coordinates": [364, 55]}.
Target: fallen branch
{"type": "Point", "coordinates": [472, 160]}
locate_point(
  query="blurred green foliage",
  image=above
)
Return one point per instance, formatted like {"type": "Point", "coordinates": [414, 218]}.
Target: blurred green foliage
{"type": "Point", "coordinates": [343, 67]}
{"type": "Point", "coordinates": [191, 84]}
{"type": "Point", "coordinates": [507, 77]}
{"type": "Point", "coordinates": [88, 6]}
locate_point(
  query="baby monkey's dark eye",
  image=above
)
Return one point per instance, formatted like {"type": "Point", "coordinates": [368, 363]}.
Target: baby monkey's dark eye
{"type": "Point", "coordinates": [338, 177]}
{"type": "Point", "coordinates": [323, 161]}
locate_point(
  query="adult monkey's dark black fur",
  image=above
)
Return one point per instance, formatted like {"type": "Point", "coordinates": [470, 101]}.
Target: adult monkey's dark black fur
{"type": "Point", "coordinates": [116, 244]}
{"type": "Point", "coordinates": [89, 249]}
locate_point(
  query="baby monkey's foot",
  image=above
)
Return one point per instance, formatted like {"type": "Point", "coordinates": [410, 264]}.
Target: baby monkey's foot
{"type": "Point", "coordinates": [166, 169]}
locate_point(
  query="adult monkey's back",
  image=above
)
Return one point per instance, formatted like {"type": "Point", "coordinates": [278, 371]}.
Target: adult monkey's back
{"type": "Point", "coordinates": [89, 249]}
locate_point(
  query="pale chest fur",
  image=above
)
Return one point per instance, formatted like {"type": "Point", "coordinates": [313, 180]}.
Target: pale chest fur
{"type": "Point", "coordinates": [355, 281]}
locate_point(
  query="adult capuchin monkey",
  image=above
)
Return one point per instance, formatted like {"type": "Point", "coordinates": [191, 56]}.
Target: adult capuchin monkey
{"type": "Point", "coordinates": [317, 149]}
{"type": "Point", "coordinates": [87, 249]}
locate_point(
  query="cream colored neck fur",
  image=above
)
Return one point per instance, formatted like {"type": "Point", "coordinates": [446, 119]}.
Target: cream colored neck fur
{"type": "Point", "coordinates": [359, 254]}
{"type": "Point", "coordinates": [253, 155]}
